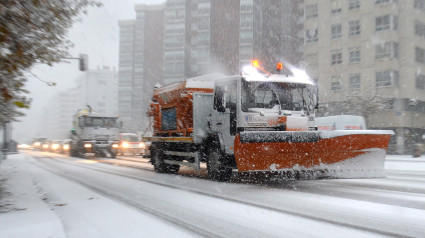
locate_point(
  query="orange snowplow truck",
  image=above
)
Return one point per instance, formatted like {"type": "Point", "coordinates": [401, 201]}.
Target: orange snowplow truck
{"type": "Point", "coordinates": [256, 122]}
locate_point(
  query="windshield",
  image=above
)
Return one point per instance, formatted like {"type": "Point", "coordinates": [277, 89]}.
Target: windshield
{"type": "Point", "coordinates": [130, 138]}
{"type": "Point", "coordinates": [100, 122]}
{"type": "Point", "coordinates": [272, 96]}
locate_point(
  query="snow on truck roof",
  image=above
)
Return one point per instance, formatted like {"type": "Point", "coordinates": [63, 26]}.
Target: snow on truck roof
{"type": "Point", "coordinates": [204, 81]}
{"type": "Point", "coordinates": [207, 81]}
{"type": "Point", "coordinates": [279, 78]}
{"type": "Point", "coordinates": [252, 74]}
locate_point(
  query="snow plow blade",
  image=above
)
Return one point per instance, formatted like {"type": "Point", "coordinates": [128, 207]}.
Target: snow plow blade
{"type": "Point", "coordinates": [336, 154]}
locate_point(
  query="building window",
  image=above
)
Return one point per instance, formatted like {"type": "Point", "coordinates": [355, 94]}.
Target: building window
{"type": "Point", "coordinates": [420, 4]}
{"type": "Point", "coordinates": [386, 50]}
{"type": "Point", "coordinates": [420, 55]}
{"type": "Point", "coordinates": [386, 22]}
{"type": "Point", "coordinates": [355, 55]}
{"type": "Point", "coordinates": [420, 29]}
{"type": "Point", "coordinates": [387, 78]}
{"type": "Point", "coordinates": [420, 81]}
{"type": "Point", "coordinates": [377, 2]}
{"type": "Point", "coordinates": [336, 6]}
{"type": "Point", "coordinates": [354, 4]}
{"type": "Point", "coordinates": [336, 32]}
{"type": "Point", "coordinates": [355, 81]}
{"type": "Point", "coordinates": [312, 61]}
{"type": "Point", "coordinates": [354, 28]}
{"type": "Point", "coordinates": [312, 35]}
{"type": "Point", "coordinates": [311, 11]}
{"type": "Point", "coordinates": [336, 57]}
{"type": "Point", "coordinates": [336, 84]}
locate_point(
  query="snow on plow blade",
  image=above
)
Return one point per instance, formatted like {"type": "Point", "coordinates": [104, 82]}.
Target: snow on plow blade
{"type": "Point", "coordinates": [339, 154]}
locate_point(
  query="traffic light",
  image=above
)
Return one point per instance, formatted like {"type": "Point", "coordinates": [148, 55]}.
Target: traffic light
{"type": "Point", "coordinates": [83, 60]}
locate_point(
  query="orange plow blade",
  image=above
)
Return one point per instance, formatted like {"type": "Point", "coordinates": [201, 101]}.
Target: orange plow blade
{"type": "Point", "coordinates": [340, 154]}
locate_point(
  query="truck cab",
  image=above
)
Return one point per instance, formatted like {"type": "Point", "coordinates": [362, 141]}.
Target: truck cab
{"type": "Point", "coordinates": [94, 133]}
{"type": "Point", "coordinates": [260, 102]}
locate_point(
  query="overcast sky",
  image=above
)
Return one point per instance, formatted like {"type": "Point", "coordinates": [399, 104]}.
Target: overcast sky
{"type": "Point", "coordinates": [96, 35]}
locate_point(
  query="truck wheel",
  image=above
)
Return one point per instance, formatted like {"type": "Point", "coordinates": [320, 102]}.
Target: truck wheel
{"type": "Point", "coordinates": [160, 166]}
{"type": "Point", "coordinates": [113, 154]}
{"type": "Point", "coordinates": [173, 168]}
{"type": "Point", "coordinates": [216, 169]}
{"type": "Point", "coordinates": [158, 161]}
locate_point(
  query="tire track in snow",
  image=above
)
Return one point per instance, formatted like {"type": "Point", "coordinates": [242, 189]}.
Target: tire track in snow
{"type": "Point", "coordinates": [300, 214]}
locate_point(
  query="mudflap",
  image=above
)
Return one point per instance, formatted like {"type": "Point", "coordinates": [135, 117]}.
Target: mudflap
{"type": "Point", "coordinates": [337, 154]}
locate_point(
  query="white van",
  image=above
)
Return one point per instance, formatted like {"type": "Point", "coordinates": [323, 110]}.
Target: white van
{"type": "Point", "coordinates": [341, 122]}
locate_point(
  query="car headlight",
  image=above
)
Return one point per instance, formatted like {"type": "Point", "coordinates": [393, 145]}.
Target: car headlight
{"type": "Point", "coordinates": [115, 146]}
{"type": "Point", "coordinates": [141, 145]}
{"type": "Point", "coordinates": [45, 146]}
{"type": "Point", "coordinates": [87, 145]}
{"type": "Point", "coordinates": [37, 144]}
{"type": "Point", "coordinates": [66, 147]}
{"type": "Point", "coordinates": [125, 145]}
{"type": "Point", "coordinates": [55, 146]}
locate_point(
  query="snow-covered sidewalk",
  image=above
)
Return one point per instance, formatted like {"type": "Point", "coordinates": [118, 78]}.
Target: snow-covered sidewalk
{"type": "Point", "coordinates": [23, 211]}
{"type": "Point", "coordinates": [39, 203]}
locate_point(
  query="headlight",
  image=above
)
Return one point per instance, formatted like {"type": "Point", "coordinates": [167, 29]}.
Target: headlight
{"type": "Point", "coordinates": [37, 144]}
{"type": "Point", "coordinates": [125, 145]}
{"type": "Point", "coordinates": [66, 147]}
{"type": "Point", "coordinates": [114, 145]}
{"type": "Point", "coordinates": [45, 146]}
{"type": "Point", "coordinates": [142, 145]}
{"type": "Point", "coordinates": [87, 145]}
{"type": "Point", "coordinates": [55, 146]}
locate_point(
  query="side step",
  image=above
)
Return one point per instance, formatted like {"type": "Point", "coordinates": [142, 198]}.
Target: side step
{"type": "Point", "coordinates": [195, 165]}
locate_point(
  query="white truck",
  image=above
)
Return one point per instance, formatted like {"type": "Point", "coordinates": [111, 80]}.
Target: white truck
{"type": "Point", "coordinates": [255, 122]}
{"type": "Point", "coordinates": [94, 133]}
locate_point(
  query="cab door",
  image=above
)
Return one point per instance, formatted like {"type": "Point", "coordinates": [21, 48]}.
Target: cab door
{"type": "Point", "coordinates": [223, 119]}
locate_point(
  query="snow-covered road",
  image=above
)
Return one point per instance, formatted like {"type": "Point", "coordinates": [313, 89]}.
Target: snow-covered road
{"type": "Point", "coordinates": [127, 198]}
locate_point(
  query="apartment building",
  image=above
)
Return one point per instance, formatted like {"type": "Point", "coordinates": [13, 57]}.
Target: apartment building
{"type": "Point", "coordinates": [140, 63]}
{"type": "Point", "coordinates": [368, 57]}
{"type": "Point", "coordinates": [206, 36]}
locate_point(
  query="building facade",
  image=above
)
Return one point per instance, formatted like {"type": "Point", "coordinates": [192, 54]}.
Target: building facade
{"type": "Point", "coordinates": [368, 58]}
{"type": "Point", "coordinates": [140, 63]}
{"type": "Point", "coordinates": [99, 89]}
{"type": "Point", "coordinates": [210, 36]}
{"type": "Point", "coordinates": [96, 88]}
{"type": "Point", "coordinates": [62, 108]}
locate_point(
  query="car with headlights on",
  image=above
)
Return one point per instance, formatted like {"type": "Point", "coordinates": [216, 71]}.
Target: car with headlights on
{"type": "Point", "coordinates": [56, 146]}
{"type": "Point", "coordinates": [129, 143]}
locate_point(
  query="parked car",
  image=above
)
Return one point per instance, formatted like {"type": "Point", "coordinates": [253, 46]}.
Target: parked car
{"type": "Point", "coordinates": [130, 144]}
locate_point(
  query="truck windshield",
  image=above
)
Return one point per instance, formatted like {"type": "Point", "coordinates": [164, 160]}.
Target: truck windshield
{"type": "Point", "coordinates": [100, 122]}
{"type": "Point", "coordinates": [273, 97]}
{"type": "Point", "coordinates": [130, 138]}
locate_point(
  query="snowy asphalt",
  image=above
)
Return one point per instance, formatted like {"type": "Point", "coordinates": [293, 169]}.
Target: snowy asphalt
{"type": "Point", "coordinates": [56, 196]}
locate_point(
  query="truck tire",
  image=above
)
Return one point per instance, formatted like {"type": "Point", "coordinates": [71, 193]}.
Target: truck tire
{"type": "Point", "coordinates": [158, 161]}
{"type": "Point", "coordinates": [160, 166]}
{"type": "Point", "coordinates": [217, 171]}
